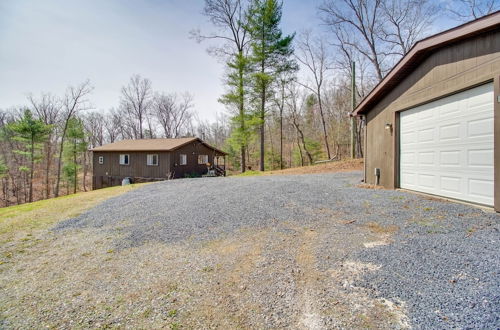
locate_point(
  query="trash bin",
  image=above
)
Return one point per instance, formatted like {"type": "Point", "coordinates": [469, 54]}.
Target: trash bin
{"type": "Point", "coordinates": [126, 181]}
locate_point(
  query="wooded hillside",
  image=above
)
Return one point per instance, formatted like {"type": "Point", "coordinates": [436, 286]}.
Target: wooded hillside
{"type": "Point", "coordinates": [287, 96]}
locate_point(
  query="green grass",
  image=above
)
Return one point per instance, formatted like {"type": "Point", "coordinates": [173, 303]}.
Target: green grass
{"type": "Point", "coordinates": [40, 214]}
{"type": "Point", "coordinates": [249, 173]}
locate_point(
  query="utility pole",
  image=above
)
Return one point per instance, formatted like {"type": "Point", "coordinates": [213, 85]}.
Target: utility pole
{"type": "Point", "coordinates": [353, 105]}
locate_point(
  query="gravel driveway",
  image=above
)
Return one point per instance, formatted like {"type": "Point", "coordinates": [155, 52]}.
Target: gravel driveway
{"type": "Point", "coordinates": [304, 251]}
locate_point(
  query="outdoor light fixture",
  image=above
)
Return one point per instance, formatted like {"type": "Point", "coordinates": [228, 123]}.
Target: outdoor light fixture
{"type": "Point", "coordinates": [388, 126]}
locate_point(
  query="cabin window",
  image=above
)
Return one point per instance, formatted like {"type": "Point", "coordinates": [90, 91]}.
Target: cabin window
{"type": "Point", "coordinates": [152, 160]}
{"type": "Point", "coordinates": [101, 160]}
{"type": "Point", "coordinates": [124, 159]}
{"type": "Point", "coordinates": [183, 159]}
{"type": "Point", "coordinates": [202, 159]}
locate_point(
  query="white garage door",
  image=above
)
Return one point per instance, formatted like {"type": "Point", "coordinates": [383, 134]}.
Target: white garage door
{"type": "Point", "coordinates": [447, 146]}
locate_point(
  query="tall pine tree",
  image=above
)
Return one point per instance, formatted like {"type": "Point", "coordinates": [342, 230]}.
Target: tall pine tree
{"type": "Point", "coordinates": [31, 133]}
{"type": "Point", "coordinates": [230, 16]}
{"type": "Point", "coordinates": [271, 55]}
{"type": "Point", "coordinates": [75, 146]}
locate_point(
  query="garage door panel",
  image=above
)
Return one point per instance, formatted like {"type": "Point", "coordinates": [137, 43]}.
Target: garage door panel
{"type": "Point", "coordinates": [450, 158]}
{"type": "Point", "coordinates": [426, 158]}
{"type": "Point", "coordinates": [426, 135]}
{"type": "Point", "coordinates": [449, 132]}
{"type": "Point", "coordinates": [447, 111]}
{"type": "Point", "coordinates": [480, 188]}
{"type": "Point", "coordinates": [427, 180]}
{"type": "Point", "coordinates": [446, 146]}
{"type": "Point", "coordinates": [451, 184]}
{"type": "Point", "coordinates": [408, 178]}
{"type": "Point", "coordinates": [480, 128]}
{"type": "Point", "coordinates": [408, 158]}
{"type": "Point", "coordinates": [481, 158]}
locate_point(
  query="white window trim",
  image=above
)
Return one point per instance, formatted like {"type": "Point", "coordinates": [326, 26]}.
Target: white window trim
{"type": "Point", "coordinates": [120, 160]}
{"type": "Point", "coordinates": [101, 160]}
{"type": "Point", "coordinates": [180, 159]}
{"type": "Point", "coordinates": [200, 162]}
{"type": "Point", "coordinates": [149, 159]}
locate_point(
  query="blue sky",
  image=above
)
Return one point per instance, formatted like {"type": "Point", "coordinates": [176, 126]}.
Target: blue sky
{"type": "Point", "coordinates": [48, 45]}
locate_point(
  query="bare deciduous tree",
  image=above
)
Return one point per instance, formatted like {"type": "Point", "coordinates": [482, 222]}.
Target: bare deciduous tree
{"type": "Point", "coordinates": [406, 21]}
{"type": "Point", "coordinates": [358, 23]}
{"type": "Point", "coordinates": [136, 100]}
{"type": "Point", "coordinates": [295, 103]}
{"type": "Point", "coordinates": [381, 30]}
{"type": "Point", "coordinates": [112, 125]}
{"type": "Point", "coordinates": [466, 10]}
{"type": "Point", "coordinates": [74, 101]}
{"type": "Point", "coordinates": [313, 55]}
{"type": "Point", "coordinates": [173, 114]}
{"type": "Point", "coordinates": [94, 125]}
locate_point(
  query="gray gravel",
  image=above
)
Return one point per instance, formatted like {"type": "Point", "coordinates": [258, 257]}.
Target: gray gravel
{"type": "Point", "coordinates": [442, 263]}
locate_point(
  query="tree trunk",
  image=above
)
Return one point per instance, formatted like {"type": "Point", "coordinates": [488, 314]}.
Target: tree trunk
{"type": "Point", "coordinates": [281, 125]}
{"type": "Point", "coordinates": [58, 179]}
{"type": "Point", "coordinates": [48, 149]}
{"type": "Point", "coordinates": [141, 136]}
{"type": "Point", "coordinates": [32, 169]}
{"type": "Point", "coordinates": [300, 152]}
{"type": "Point", "coordinates": [272, 146]}
{"type": "Point", "coordinates": [242, 110]}
{"type": "Point", "coordinates": [75, 169]}
{"type": "Point", "coordinates": [301, 134]}
{"type": "Point", "coordinates": [323, 122]}
{"type": "Point", "coordinates": [262, 136]}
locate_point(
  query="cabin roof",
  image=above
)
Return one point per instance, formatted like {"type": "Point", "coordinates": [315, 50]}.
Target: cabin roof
{"type": "Point", "coordinates": [152, 145]}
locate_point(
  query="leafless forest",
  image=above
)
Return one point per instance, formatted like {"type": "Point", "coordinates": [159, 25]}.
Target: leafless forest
{"type": "Point", "coordinates": [287, 101]}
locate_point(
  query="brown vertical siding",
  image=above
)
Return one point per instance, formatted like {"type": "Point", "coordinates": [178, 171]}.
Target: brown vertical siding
{"type": "Point", "coordinates": [137, 165]}
{"type": "Point", "coordinates": [111, 172]}
{"type": "Point", "coordinates": [451, 69]}
{"type": "Point", "coordinates": [192, 151]}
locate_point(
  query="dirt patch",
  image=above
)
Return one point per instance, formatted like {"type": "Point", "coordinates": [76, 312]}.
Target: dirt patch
{"type": "Point", "coordinates": [334, 166]}
{"type": "Point", "coordinates": [381, 229]}
{"type": "Point", "coordinates": [307, 280]}
{"type": "Point", "coordinates": [253, 278]}
{"type": "Point", "coordinates": [370, 186]}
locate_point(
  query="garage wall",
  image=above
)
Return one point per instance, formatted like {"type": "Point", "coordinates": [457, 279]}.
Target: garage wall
{"type": "Point", "coordinates": [454, 68]}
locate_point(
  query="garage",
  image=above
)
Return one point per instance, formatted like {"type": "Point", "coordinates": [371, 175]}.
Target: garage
{"type": "Point", "coordinates": [432, 124]}
{"type": "Point", "coordinates": [447, 146]}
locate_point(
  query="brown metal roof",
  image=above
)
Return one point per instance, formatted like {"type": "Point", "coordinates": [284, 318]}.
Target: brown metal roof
{"type": "Point", "coordinates": [421, 50]}
{"type": "Point", "coordinates": [151, 145]}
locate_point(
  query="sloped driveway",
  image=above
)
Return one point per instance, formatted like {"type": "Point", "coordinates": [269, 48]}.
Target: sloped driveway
{"type": "Point", "coordinates": [304, 251]}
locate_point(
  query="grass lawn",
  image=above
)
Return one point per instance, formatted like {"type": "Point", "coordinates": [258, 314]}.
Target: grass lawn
{"type": "Point", "coordinates": [41, 214]}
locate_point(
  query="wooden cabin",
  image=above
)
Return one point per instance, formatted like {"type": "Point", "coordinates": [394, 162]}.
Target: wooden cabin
{"type": "Point", "coordinates": [155, 160]}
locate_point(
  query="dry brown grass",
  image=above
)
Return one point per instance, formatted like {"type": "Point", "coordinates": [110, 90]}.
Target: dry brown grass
{"type": "Point", "coordinates": [335, 166]}
{"type": "Point", "coordinates": [370, 186]}
{"type": "Point", "coordinates": [380, 229]}
{"type": "Point", "coordinates": [346, 165]}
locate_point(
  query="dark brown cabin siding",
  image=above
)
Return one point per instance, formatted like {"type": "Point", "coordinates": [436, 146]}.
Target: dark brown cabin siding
{"type": "Point", "coordinates": [191, 150]}
{"type": "Point", "coordinates": [111, 172]}
{"type": "Point", "coordinates": [137, 165]}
